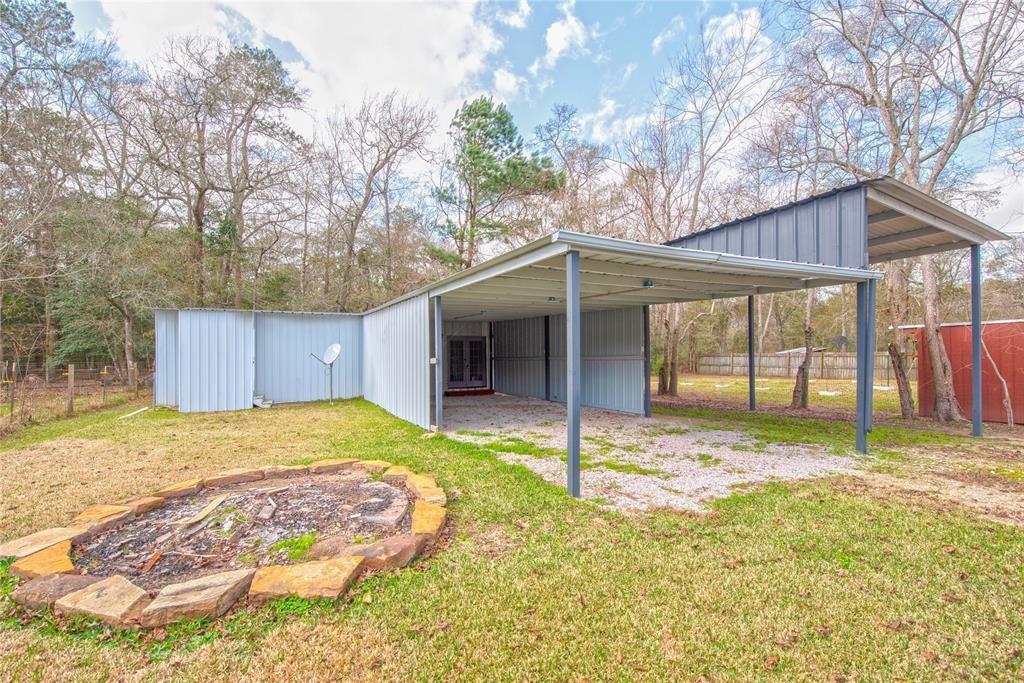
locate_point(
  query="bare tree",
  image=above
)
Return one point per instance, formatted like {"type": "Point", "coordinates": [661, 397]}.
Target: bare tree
{"type": "Point", "coordinates": [910, 83]}
{"type": "Point", "coordinates": [711, 101]}
{"type": "Point", "coordinates": [360, 150]}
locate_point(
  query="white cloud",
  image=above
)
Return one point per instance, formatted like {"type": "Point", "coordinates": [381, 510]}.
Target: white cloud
{"type": "Point", "coordinates": [1008, 214]}
{"type": "Point", "coordinates": [565, 37]}
{"type": "Point", "coordinates": [668, 34]}
{"type": "Point", "coordinates": [507, 85]}
{"type": "Point", "coordinates": [437, 52]}
{"type": "Point", "coordinates": [628, 71]}
{"type": "Point", "coordinates": [516, 19]}
{"type": "Point", "coordinates": [142, 31]}
{"type": "Point", "coordinates": [605, 124]}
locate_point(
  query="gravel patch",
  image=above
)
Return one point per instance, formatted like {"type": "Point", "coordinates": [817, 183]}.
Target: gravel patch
{"type": "Point", "coordinates": [632, 462]}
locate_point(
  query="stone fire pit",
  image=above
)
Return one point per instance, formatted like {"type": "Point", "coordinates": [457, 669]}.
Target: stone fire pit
{"type": "Point", "coordinates": [195, 548]}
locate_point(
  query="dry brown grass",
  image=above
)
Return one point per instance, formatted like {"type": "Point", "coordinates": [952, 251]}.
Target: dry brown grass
{"type": "Point", "coordinates": [47, 482]}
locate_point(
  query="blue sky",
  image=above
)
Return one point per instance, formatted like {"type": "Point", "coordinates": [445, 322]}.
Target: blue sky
{"type": "Point", "coordinates": [603, 58]}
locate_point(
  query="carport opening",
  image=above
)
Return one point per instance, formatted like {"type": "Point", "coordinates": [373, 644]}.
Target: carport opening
{"type": "Point", "coordinates": [568, 321]}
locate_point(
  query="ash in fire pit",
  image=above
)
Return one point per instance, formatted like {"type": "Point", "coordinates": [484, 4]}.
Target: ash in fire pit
{"type": "Point", "coordinates": [246, 525]}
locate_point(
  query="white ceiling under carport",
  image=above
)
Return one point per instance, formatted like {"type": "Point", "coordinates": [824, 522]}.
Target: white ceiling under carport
{"type": "Point", "coordinates": [904, 222]}
{"type": "Point", "coordinates": [531, 281]}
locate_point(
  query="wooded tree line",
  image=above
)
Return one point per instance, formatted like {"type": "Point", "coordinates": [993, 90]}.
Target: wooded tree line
{"type": "Point", "coordinates": [185, 182]}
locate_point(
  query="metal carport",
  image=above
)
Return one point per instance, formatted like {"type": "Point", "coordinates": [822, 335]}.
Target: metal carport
{"type": "Point", "coordinates": [869, 222]}
{"type": "Point", "coordinates": [572, 274]}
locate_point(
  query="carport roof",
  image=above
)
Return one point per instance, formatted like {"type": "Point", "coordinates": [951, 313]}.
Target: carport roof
{"type": "Point", "coordinates": [615, 273]}
{"type": "Point", "coordinates": [901, 222]}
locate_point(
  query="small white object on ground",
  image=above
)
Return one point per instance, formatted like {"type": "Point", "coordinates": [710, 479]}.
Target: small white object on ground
{"type": "Point", "coordinates": [830, 393]}
{"type": "Point", "coordinates": [134, 412]}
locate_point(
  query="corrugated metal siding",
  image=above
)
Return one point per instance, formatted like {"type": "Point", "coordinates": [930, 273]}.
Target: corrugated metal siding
{"type": "Point", "coordinates": [613, 359]}
{"type": "Point", "coordinates": [285, 370]}
{"type": "Point", "coordinates": [830, 230]}
{"type": "Point", "coordinates": [396, 359]}
{"type": "Point", "coordinates": [612, 350]}
{"type": "Point", "coordinates": [1003, 343]}
{"type": "Point", "coordinates": [165, 376]}
{"type": "Point", "coordinates": [215, 360]}
{"type": "Point", "coordinates": [519, 357]}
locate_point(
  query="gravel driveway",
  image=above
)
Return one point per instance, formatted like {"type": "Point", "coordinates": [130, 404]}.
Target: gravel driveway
{"type": "Point", "coordinates": [632, 462]}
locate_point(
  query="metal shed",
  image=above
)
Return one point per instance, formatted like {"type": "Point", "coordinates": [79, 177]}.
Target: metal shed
{"type": "Point", "coordinates": [1003, 362]}
{"type": "Point", "coordinates": [565, 317]}
{"type": "Point", "coordinates": [567, 320]}
{"type": "Point", "coordinates": [223, 359]}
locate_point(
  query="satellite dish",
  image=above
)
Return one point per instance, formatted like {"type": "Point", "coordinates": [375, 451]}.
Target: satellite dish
{"type": "Point", "coordinates": [331, 354]}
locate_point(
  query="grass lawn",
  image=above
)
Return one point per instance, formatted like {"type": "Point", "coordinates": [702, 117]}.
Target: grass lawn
{"type": "Point", "coordinates": [834, 394]}
{"type": "Point", "coordinates": [829, 580]}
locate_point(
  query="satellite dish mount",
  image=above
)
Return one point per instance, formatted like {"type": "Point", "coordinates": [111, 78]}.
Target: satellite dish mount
{"type": "Point", "coordinates": [331, 354]}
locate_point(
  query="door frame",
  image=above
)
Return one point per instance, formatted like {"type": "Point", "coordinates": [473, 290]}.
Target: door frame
{"type": "Point", "coordinates": [464, 338]}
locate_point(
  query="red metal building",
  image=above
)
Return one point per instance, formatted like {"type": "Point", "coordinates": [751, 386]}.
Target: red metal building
{"type": "Point", "coordinates": [1004, 342]}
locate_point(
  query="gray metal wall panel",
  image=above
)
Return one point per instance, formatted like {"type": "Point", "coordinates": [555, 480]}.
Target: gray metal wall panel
{"type": "Point", "coordinates": [830, 230]}
{"type": "Point", "coordinates": [734, 244]}
{"type": "Point", "coordinates": [855, 223]}
{"type": "Point", "coordinates": [165, 376]}
{"type": "Point", "coordinates": [215, 360]}
{"type": "Point", "coordinates": [787, 235]}
{"type": "Point", "coordinates": [612, 349]}
{"type": "Point", "coordinates": [285, 370]}
{"type": "Point", "coordinates": [719, 241]}
{"type": "Point", "coordinates": [807, 233]}
{"type": "Point", "coordinates": [519, 357]}
{"type": "Point", "coordinates": [768, 237]}
{"type": "Point", "coordinates": [396, 359]}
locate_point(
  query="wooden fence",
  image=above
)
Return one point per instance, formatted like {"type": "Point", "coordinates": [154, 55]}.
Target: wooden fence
{"type": "Point", "coordinates": [824, 365]}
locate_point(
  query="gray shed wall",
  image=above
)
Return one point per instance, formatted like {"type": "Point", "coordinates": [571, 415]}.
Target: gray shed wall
{"type": "Point", "coordinates": [612, 350]}
{"type": "Point", "coordinates": [396, 359]}
{"type": "Point", "coordinates": [285, 370]}
{"type": "Point", "coordinates": [830, 230]}
{"type": "Point", "coordinates": [165, 376]}
{"type": "Point", "coordinates": [215, 360]}
{"type": "Point", "coordinates": [519, 357]}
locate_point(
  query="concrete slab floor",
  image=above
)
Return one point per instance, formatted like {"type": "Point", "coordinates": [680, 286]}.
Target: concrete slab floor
{"type": "Point", "coordinates": [632, 462]}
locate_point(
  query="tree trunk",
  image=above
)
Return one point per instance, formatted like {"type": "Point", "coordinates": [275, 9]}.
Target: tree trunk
{"type": "Point", "coordinates": [2, 359]}
{"type": "Point", "coordinates": [129, 342]}
{"type": "Point", "coordinates": [49, 332]}
{"type": "Point", "coordinates": [673, 368]}
{"type": "Point", "coordinates": [304, 265]}
{"type": "Point", "coordinates": [803, 373]}
{"type": "Point", "coordinates": [665, 345]}
{"type": "Point", "coordinates": [899, 371]}
{"type": "Point", "coordinates": [946, 408]}
{"type": "Point", "coordinates": [898, 300]}
{"type": "Point", "coordinates": [238, 279]}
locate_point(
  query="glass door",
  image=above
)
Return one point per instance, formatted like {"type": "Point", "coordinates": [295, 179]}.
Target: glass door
{"type": "Point", "coordinates": [467, 362]}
